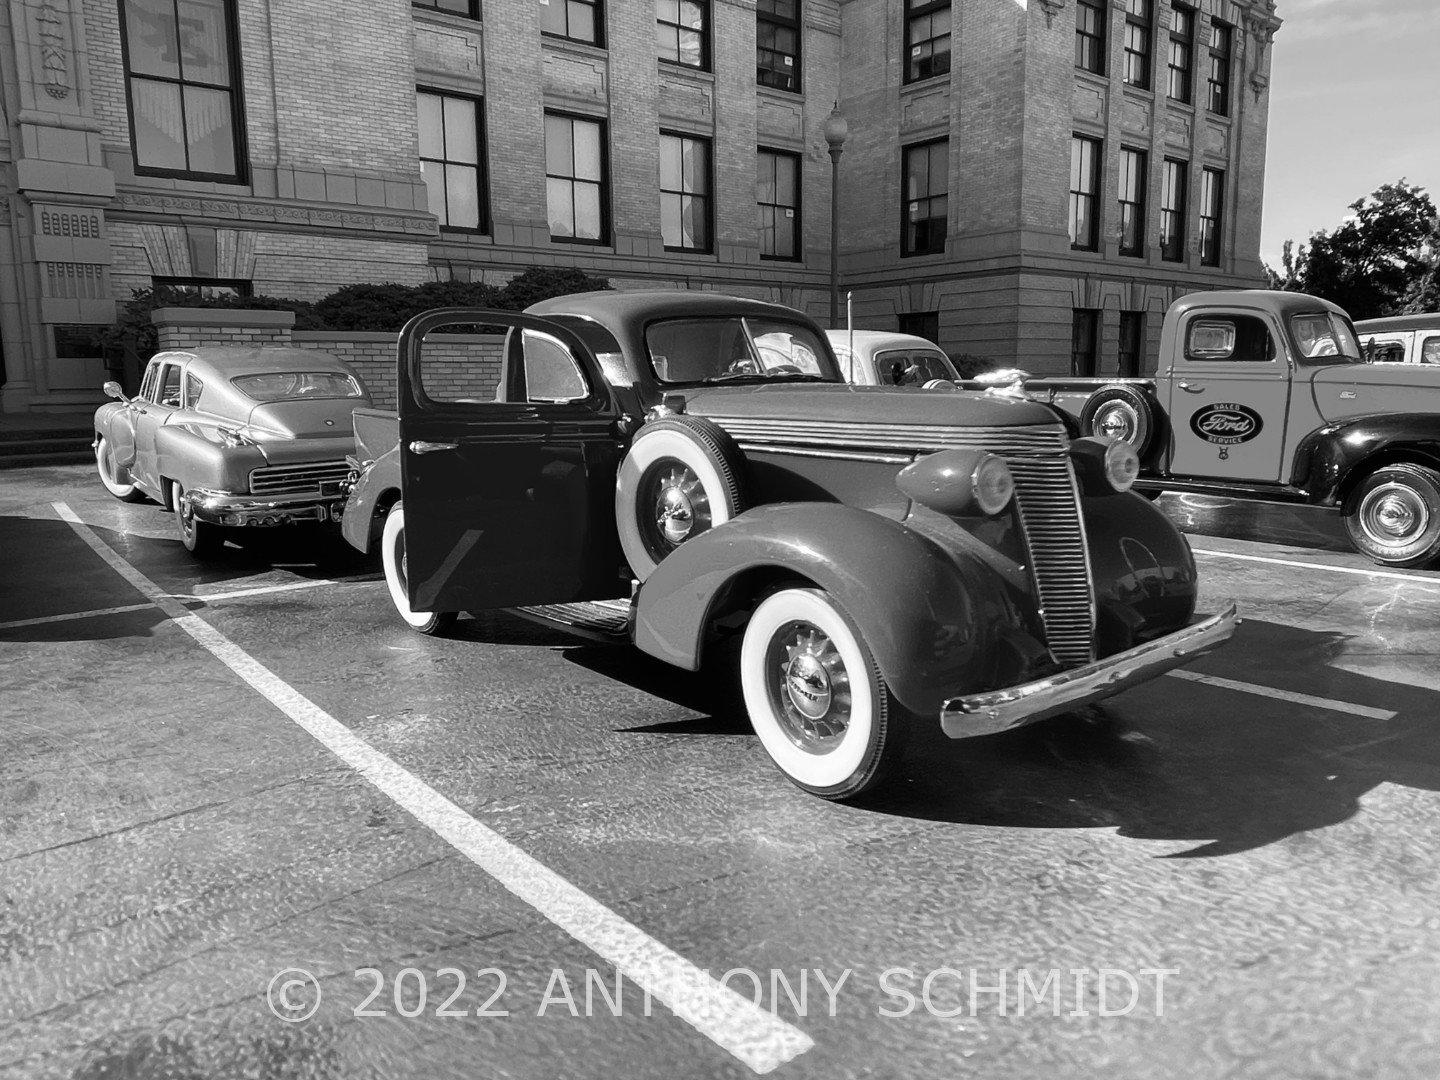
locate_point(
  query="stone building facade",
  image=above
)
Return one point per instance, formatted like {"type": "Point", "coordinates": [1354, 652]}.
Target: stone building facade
{"type": "Point", "coordinates": [281, 148]}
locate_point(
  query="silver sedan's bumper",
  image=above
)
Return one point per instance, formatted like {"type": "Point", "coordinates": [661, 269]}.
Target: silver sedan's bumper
{"type": "Point", "coordinates": [225, 508]}
{"type": "Point", "coordinates": [1001, 710]}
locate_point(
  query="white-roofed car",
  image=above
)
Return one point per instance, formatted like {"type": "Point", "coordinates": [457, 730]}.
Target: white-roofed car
{"type": "Point", "coordinates": [885, 358]}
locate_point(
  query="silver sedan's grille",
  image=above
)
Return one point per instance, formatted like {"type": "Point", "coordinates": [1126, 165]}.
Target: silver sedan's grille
{"type": "Point", "coordinates": [303, 479]}
{"type": "Point", "coordinates": [1045, 488]}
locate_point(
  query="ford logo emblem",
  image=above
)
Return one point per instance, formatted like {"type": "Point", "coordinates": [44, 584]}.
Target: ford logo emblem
{"type": "Point", "coordinates": [1226, 423]}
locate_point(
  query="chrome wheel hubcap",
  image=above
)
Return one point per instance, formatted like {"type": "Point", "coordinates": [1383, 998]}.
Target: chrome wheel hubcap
{"type": "Point", "coordinates": [1118, 422]}
{"type": "Point", "coordinates": [1393, 515]}
{"type": "Point", "coordinates": [809, 687]}
{"type": "Point", "coordinates": [678, 507]}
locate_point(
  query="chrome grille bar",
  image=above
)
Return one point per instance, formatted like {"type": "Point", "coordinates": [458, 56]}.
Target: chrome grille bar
{"type": "Point", "coordinates": [302, 479]}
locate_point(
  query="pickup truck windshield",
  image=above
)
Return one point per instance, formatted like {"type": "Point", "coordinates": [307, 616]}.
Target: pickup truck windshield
{"type": "Point", "coordinates": [730, 348]}
{"type": "Point", "coordinates": [1325, 336]}
{"type": "Point", "coordinates": [292, 385]}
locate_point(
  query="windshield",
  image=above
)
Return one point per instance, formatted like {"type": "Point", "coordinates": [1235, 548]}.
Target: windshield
{"type": "Point", "coordinates": [1325, 335]}
{"type": "Point", "coordinates": [293, 385]}
{"type": "Point", "coordinates": [912, 367]}
{"type": "Point", "coordinates": [729, 348]}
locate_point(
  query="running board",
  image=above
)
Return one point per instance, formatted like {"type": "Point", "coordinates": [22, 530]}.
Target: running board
{"type": "Point", "coordinates": [1248, 492]}
{"type": "Point", "coordinates": [606, 621]}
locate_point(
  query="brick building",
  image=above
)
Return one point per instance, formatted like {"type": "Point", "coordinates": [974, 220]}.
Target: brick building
{"type": "Point", "coordinates": [1030, 182]}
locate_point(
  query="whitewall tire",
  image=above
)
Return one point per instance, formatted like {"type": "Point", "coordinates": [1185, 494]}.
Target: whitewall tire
{"type": "Point", "coordinates": [392, 556]}
{"type": "Point", "coordinates": [815, 695]}
{"type": "Point", "coordinates": [115, 478]}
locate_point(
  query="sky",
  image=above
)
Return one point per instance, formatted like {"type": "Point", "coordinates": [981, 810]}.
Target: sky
{"type": "Point", "coordinates": [1354, 103]}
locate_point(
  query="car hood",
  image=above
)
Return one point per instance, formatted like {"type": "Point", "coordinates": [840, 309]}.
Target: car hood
{"type": "Point", "coordinates": [841, 402]}
{"type": "Point", "coordinates": [1421, 377]}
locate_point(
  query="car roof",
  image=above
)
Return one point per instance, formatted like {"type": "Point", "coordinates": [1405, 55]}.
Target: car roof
{"type": "Point", "coordinates": [228, 361]}
{"type": "Point", "coordinates": [1429, 320]}
{"type": "Point", "coordinates": [875, 340]}
{"type": "Point", "coordinates": [1283, 304]}
{"type": "Point", "coordinates": [626, 307]}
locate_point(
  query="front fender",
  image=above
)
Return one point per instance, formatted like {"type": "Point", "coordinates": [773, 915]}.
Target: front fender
{"type": "Point", "coordinates": [1330, 460]}
{"type": "Point", "coordinates": [358, 524]}
{"type": "Point", "coordinates": [938, 620]}
{"type": "Point", "coordinates": [185, 455]}
{"type": "Point", "coordinates": [1143, 571]}
{"type": "Point", "coordinates": [115, 421]}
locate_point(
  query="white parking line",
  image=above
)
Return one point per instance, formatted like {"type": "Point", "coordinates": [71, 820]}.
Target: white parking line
{"type": "Point", "coordinates": [71, 616]}
{"type": "Point", "coordinates": [289, 586]}
{"type": "Point", "coordinates": [1286, 695]}
{"type": "Point", "coordinates": [754, 1036]}
{"type": "Point", "coordinates": [1390, 574]}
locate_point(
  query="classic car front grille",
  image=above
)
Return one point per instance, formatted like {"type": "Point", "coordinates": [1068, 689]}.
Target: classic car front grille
{"type": "Point", "coordinates": [305, 479]}
{"type": "Point", "coordinates": [1045, 489]}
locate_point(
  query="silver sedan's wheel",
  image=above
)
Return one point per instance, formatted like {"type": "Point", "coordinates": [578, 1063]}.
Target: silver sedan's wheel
{"type": "Point", "coordinates": [815, 696]}
{"type": "Point", "coordinates": [115, 479]}
{"type": "Point", "coordinates": [393, 558]}
{"type": "Point", "coordinates": [1396, 516]}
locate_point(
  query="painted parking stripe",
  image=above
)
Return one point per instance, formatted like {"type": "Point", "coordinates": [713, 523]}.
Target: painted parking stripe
{"type": "Point", "coordinates": [71, 616]}
{"type": "Point", "coordinates": [1330, 704]}
{"type": "Point", "coordinates": [732, 1021]}
{"type": "Point", "coordinates": [288, 586]}
{"type": "Point", "coordinates": [1390, 574]}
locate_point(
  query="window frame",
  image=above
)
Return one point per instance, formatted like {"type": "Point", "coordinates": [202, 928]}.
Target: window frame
{"type": "Point", "coordinates": [1098, 40]}
{"type": "Point", "coordinates": [1233, 320]}
{"type": "Point", "coordinates": [1145, 24]}
{"type": "Point", "coordinates": [434, 5]}
{"type": "Point", "coordinates": [1221, 60]}
{"type": "Point", "coordinates": [1084, 317]}
{"type": "Point", "coordinates": [1097, 156]}
{"type": "Point", "coordinates": [706, 50]}
{"type": "Point", "coordinates": [906, 251]}
{"type": "Point", "coordinates": [1177, 212]}
{"type": "Point", "coordinates": [1133, 210]}
{"type": "Point", "coordinates": [914, 11]}
{"type": "Point", "coordinates": [708, 197]}
{"type": "Point", "coordinates": [235, 90]}
{"type": "Point", "coordinates": [1212, 214]}
{"type": "Point", "coordinates": [799, 219]}
{"type": "Point", "coordinates": [163, 379]}
{"type": "Point", "coordinates": [797, 25]}
{"type": "Point", "coordinates": [597, 13]}
{"type": "Point", "coordinates": [603, 239]}
{"type": "Point", "coordinates": [481, 163]}
{"type": "Point", "coordinates": [1184, 41]}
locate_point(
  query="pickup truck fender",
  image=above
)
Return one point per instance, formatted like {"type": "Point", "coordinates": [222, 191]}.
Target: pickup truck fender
{"type": "Point", "coordinates": [373, 494]}
{"type": "Point", "coordinates": [938, 620]}
{"type": "Point", "coordinates": [1332, 460]}
{"type": "Point", "coordinates": [184, 453]}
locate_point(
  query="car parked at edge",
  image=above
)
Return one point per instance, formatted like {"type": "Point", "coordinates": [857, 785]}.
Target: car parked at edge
{"type": "Point", "coordinates": [883, 358]}
{"type": "Point", "coordinates": [1266, 396]}
{"type": "Point", "coordinates": [229, 437]}
{"type": "Point", "coordinates": [1401, 339]}
{"type": "Point", "coordinates": [878, 557]}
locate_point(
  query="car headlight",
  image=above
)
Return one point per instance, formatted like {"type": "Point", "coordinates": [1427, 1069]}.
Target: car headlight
{"type": "Point", "coordinates": [1122, 465]}
{"type": "Point", "coordinates": [993, 485]}
{"type": "Point", "coordinates": [958, 482]}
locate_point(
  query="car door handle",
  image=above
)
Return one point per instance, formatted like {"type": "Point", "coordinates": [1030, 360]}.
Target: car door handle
{"type": "Point", "coordinates": [1191, 388]}
{"type": "Point", "coordinates": [420, 446]}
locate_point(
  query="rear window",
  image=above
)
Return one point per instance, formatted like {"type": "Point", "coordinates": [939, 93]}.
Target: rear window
{"type": "Point", "coordinates": [297, 385]}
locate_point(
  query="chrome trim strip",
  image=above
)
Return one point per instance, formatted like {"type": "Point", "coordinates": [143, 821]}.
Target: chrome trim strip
{"type": "Point", "coordinates": [1040, 440]}
{"type": "Point", "coordinates": [1003, 710]}
{"type": "Point", "coordinates": [841, 455]}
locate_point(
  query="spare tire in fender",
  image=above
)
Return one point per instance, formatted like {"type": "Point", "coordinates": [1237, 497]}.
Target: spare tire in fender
{"type": "Point", "coordinates": [680, 477]}
{"type": "Point", "coordinates": [1120, 412]}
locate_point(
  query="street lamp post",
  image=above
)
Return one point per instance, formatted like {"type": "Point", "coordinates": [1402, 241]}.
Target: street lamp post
{"type": "Point", "coordinates": [836, 130]}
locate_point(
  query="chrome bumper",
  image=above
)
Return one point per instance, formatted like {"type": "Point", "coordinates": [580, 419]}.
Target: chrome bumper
{"type": "Point", "coordinates": [224, 508]}
{"type": "Point", "coordinates": [1001, 710]}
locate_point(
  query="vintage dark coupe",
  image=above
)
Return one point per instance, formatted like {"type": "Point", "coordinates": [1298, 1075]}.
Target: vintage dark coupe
{"type": "Point", "coordinates": [684, 470]}
{"type": "Point", "coordinates": [229, 436]}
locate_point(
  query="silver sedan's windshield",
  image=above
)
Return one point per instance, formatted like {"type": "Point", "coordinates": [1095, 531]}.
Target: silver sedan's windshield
{"type": "Point", "coordinates": [730, 348]}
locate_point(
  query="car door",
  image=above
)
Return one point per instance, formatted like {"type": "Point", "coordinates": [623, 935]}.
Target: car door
{"type": "Point", "coordinates": [509, 492]}
{"type": "Point", "coordinates": [121, 432]}
{"type": "Point", "coordinates": [1229, 398]}
{"type": "Point", "coordinates": [151, 414]}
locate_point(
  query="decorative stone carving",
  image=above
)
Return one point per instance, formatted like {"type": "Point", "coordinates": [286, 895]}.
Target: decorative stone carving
{"type": "Point", "coordinates": [1051, 9]}
{"type": "Point", "coordinates": [54, 50]}
{"type": "Point", "coordinates": [1260, 26]}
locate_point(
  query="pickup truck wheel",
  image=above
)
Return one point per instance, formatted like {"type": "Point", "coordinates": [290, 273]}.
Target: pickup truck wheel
{"type": "Point", "coordinates": [679, 479]}
{"type": "Point", "coordinates": [1396, 516]}
{"type": "Point", "coordinates": [392, 556]}
{"type": "Point", "coordinates": [1120, 412]}
{"type": "Point", "coordinates": [115, 478]}
{"type": "Point", "coordinates": [200, 538]}
{"type": "Point", "coordinates": [816, 697]}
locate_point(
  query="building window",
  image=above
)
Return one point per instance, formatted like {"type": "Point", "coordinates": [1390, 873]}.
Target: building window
{"type": "Point", "coordinates": [927, 204]}
{"type": "Point", "coordinates": [778, 197]}
{"type": "Point", "coordinates": [927, 39]}
{"type": "Point", "coordinates": [1182, 53]}
{"type": "Point", "coordinates": [576, 179]}
{"type": "Point", "coordinates": [1133, 180]}
{"type": "Point", "coordinates": [182, 77]}
{"type": "Point", "coordinates": [682, 32]}
{"type": "Point", "coordinates": [79, 342]}
{"type": "Point", "coordinates": [1084, 193]}
{"type": "Point", "coordinates": [205, 288]}
{"type": "Point", "coordinates": [1219, 78]}
{"type": "Point", "coordinates": [684, 192]}
{"type": "Point", "coordinates": [1132, 343]}
{"type": "Point", "coordinates": [1212, 203]}
{"type": "Point", "coordinates": [578, 20]}
{"type": "Point", "coordinates": [1090, 35]}
{"type": "Point", "coordinates": [1173, 196]}
{"type": "Point", "coordinates": [1084, 331]}
{"type": "Point", "coordinates": [777, 29]}
{"type": "Point", "coordinates": [468, 8]}
{"type": "Point", "coordinates": [1137, 43]}
{"type": "Point", "coordinates": [451, 138]}
{"type": "Point", "coordinates": [925, 324]}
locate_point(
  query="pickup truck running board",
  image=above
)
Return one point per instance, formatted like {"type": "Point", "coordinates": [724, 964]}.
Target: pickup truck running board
{"type": "Point", "coordinates": [1232, 489]}
{"type": "Point", "coordinates": [606, 621]}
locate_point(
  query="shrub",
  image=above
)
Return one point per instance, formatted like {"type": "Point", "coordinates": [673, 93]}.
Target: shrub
{"type": "Point", "coordinates": [544, 282]}
{"type": "Point", "coordinates": [390, 306]}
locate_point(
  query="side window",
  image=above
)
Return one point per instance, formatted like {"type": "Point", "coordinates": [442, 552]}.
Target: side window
{"type": "Point", "coordinates": [193, 386]}
{"type": "Point", "coordinates": [467, 368]}
{"type": "Point", "coordinates": [1430, 350]}
{"type": "Point", "coordinates": [170, 386]}
{"type": "Point", "coordinates": [1229, 338]}
{"type": "Point", "coordinates": [148, 384]}
{"type": "Point", "coordinates": [551, 373]}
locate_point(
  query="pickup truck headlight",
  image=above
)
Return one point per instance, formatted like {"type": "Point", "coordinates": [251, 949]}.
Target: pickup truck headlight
{"type": "Point", "coordinates": [1104, 465]}
{"type": "Point", "coordinates": [958, 482]}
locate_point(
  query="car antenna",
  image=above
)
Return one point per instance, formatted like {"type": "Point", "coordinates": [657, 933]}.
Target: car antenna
{"type": "Point", "coordinates": [850, 329]}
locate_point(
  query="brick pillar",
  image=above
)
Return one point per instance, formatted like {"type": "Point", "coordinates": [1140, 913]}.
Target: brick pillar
{"type": "Point", "coordinates": [185, 328]}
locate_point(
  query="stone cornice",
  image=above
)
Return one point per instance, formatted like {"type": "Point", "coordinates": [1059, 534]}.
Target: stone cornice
{"type": "Point", "coordinates": [233, 210]}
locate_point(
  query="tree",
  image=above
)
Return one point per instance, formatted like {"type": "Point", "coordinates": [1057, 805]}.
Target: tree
{"type": "Point", "coordinates": [1376, 262]}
